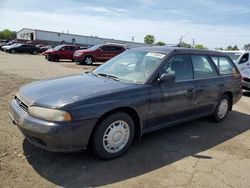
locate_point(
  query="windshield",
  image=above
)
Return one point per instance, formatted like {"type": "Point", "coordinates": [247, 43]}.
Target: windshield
{"type": "Point", "coordinates": [95, 47]}
{"type": "Point", "coordinates": [58, 47]}
{"type": "Point", "coordinates": [131, 66]}
{"type": "Point", "coordinates": [234, 55]}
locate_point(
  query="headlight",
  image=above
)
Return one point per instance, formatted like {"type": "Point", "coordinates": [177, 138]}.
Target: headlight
{"type": "Point", "coordinates": [78, 53]}
{"type": "Point", "coordinates": [49, 114]}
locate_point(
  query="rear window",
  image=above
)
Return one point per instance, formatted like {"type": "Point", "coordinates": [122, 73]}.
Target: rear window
{"type": "Point", "coordinates": [224, 65]}
{"type": "Point", "coordinates": [202, 67]}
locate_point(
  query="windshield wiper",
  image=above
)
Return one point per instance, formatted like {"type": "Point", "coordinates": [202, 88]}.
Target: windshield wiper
{"type": "Point", "coordinates": [108, 76]}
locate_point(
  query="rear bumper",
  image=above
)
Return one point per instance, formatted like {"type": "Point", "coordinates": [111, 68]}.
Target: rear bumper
{"type": "Point", "coordinates": [63, 137]}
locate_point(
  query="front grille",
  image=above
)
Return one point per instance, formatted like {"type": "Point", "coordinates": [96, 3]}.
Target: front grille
{"type": "Point", "coordinates": [246, 79]}
{"type": "Point", "coordinates": [23, 106]}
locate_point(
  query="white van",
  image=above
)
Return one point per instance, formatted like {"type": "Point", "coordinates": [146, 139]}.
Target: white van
{"type": "Point", "coordinates": [242, 61]}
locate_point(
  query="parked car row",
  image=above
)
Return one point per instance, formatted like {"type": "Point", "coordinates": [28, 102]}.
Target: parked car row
{"type": "Point", "coordinates": [97, 53]}
{"type": "Point", "coordinates": [14, 47]}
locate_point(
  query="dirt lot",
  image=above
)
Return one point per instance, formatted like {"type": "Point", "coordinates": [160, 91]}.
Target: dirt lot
{"type": "Point", "coordinates": [195, 154]}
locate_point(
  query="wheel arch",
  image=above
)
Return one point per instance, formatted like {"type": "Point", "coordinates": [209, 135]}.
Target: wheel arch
{"type": "Point", "coordinates": [230, 96]}
{"type": "Point", "coordinates": [128, 110]}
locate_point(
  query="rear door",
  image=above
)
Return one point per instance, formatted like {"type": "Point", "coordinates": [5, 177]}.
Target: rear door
{"type": "Point", "coordinates": [172, 102]}
{"type": "Point", "coordinates": [208, 84]}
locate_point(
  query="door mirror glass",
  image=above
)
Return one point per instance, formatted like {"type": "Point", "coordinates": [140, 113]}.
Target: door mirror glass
{"type": "Point", "coordinates": [164, 78]}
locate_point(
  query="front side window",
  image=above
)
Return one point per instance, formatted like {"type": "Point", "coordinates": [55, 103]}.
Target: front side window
{"type": "Point", "coordinates": [180, 66]}
{"type": "Point", "coordinates": [244, 58]}
{"type": "Point", "coordinates": [106, 48]}
{"type": "Point", "coordinates": [224, 65]}
{"type": "Point", "coordinates": [202, 67]}
{"type": "Point", "coordinates": [131, 66]}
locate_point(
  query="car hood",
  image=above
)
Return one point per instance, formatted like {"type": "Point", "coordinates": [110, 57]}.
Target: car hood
{"type": "Point", "coordinates": [49, 51]}
{"type": "Point", "coordinates": [58, 92]}
{"type": "Point", "coordinates": [84, 51]}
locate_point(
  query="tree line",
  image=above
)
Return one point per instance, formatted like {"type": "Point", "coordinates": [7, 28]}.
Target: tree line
{"type": "Point", "coordinates": [7, 34]}
{"type": "Point", "coordinates": [150, 39]}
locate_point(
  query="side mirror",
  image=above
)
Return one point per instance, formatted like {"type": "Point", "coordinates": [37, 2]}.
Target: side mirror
{"type": "Point", "coordinates": [167, 78]}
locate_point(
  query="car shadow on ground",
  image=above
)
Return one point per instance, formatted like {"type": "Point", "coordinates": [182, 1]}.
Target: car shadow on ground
{"type": "Point", "coordinates": [154, 151]}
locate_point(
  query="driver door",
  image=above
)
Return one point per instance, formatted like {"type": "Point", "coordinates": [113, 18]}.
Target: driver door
{"type": "Point", "coordinates": [172, 102]}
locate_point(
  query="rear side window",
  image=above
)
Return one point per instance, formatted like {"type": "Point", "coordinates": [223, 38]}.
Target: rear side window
{"type": "Point", "coordinates": [224, 65]}
{"type": "Point", "coordinates": [181, 66]}
{"type": "Point", "coordinates": [202, 67]}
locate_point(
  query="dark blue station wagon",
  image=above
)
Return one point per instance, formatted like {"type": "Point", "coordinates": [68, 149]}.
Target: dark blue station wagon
{"type": "Point", "coordinates": [138, 91]}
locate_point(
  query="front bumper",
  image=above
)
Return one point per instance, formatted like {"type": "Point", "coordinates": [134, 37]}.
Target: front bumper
{"type": "Point", "coordinates": [62, 136]}
{"type": "Point", "coordinates": [78, 58]}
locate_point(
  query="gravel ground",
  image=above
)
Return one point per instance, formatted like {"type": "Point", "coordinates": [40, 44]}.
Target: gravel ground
{"type": "Point", "coordinates": [196, 154]}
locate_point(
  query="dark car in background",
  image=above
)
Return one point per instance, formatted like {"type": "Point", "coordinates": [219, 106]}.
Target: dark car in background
{"type": "Point", "coordinates": [23, 48]}
{"type": "Point", "coordinates": [100, 52]}
{"type": "Point", "coordinates": [139, 91]}
{"type": "Point", "coordinates": [60, 52]}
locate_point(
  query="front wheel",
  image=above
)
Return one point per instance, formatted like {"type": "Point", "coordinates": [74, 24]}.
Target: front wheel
{"type": "Point", "coordinates": [221, 109]}
{"type": "Point", "coordinates": [88, 60]}
{"type": "Point", "coordinates": [113, 136]}
{"type": "Point", "coordinates": [13, 51]}
{"type": "Point", "coordinates": [34, 52]}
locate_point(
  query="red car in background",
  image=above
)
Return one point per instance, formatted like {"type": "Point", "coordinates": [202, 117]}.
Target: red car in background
{"type": "Point", "coordinates": [100, 52]}
{"type": "Point", "coordinates": [60, 52]}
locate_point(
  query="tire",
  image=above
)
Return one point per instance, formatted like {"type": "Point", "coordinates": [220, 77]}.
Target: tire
{"type": "Point", "coordinates": [116, 130]}
{"type": "Point", "coordinates": [222, 108]}
{"type": "Point", "coordinates": [88, 60]}
{"type": "Point", "coordinates": [34, 52]}
{"type": "Point", "coordinates": [12, 51]}
{"type": "Point", "coordinates": [49, 57]}
{"type": "Point", "coordinates": [56, 58]}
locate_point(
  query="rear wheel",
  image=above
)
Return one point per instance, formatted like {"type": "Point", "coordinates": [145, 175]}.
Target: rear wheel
{"type": "Point", "coordinates": [13, 51]}
{"type": "Point", "coordinates": [88, 60]}
{"type": "Point", "coordinates": [113, 136]}
{"type": "Point", "coordinates": [221, 109]}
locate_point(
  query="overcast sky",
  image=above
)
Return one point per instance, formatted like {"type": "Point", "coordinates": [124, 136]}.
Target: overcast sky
{"type": "Point", "coordinates": [210, 22]}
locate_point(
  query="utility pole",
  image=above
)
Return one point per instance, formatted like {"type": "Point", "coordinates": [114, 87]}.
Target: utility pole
{"type": "Point", "coordinates": [182, 36]}
{"type": "Point", "coordinates": [193, 43]}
